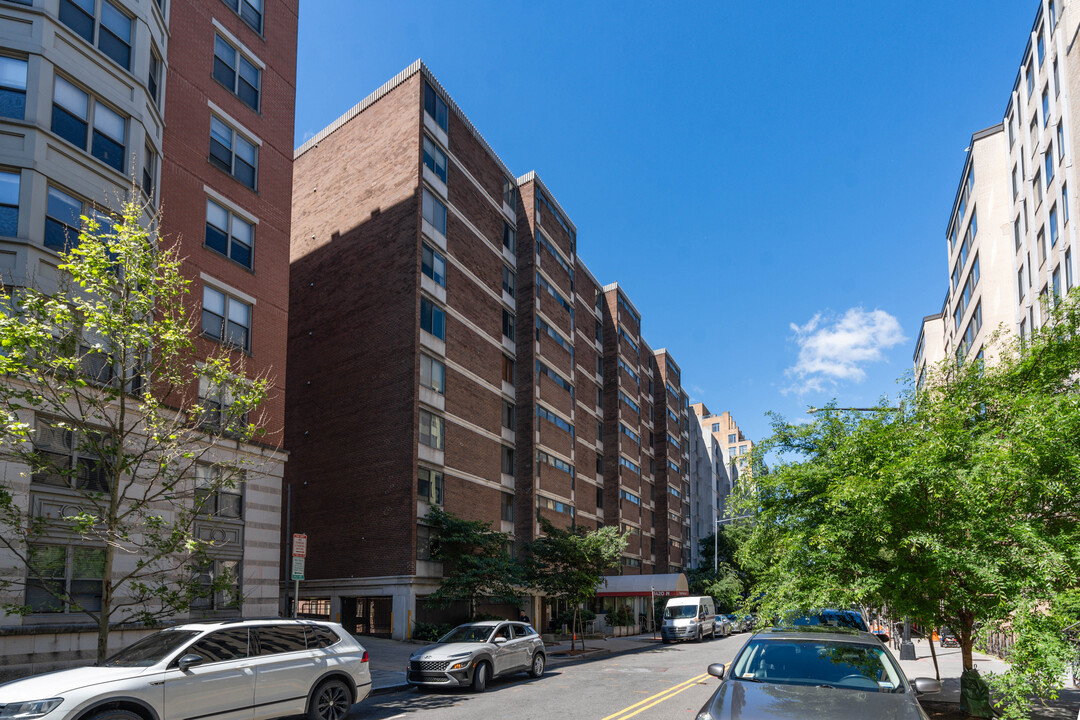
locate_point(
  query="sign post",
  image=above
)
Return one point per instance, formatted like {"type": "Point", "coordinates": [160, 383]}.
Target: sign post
{"type": "Point", "coordinates": [299, 554]}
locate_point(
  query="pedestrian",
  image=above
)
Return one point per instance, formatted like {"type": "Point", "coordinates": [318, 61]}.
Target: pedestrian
{"type": "Point", "coordinates": [523, 617]}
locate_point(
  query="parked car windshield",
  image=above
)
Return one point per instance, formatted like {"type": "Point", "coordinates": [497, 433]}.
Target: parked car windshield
{"type": "Point", "coordinates": [825, 663]}
{"type": "Point", "coordinates": [151, 649]}
{"type": "Point", "coordinates": [468, 634]}
{"type": "Point", "coordinates": [680, 611]}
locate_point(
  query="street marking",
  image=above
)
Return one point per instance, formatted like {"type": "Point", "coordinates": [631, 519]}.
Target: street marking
{"type": "Point", "coordinates": [657, 699]}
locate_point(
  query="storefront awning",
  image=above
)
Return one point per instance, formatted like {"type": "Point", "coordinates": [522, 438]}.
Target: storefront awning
{"type": "Point", "coordinates": [668, 585]}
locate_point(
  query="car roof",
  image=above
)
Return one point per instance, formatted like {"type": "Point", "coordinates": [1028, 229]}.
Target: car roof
{"type": "Point", "coordinates": [484, 623]}
{"type": "Point", "coordinates": [818, 632]}
{"type": "Point", "coordinates": [217, 624]}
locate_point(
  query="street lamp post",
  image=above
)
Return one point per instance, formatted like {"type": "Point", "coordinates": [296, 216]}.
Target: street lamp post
{"type": "Point", "coordinates": [652, 610]}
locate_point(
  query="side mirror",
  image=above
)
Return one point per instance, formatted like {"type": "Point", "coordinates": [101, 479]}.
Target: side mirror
{"type": "Point", "coordinates": [926, 686]}
{"type": "Point", "coordinates": [883, 637]}
{"type": "Point", "coordinates": [188, 661]}
{"type": "Point", "coordinates": [717, 670]}
{"type": "Point", "coordinates": [500, 641]}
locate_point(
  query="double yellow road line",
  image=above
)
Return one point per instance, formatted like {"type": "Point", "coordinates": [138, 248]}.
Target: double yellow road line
{"type": "Point", "coordinates": [656, 699]}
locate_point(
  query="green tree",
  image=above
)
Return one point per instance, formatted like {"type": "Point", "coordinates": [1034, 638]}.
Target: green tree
{"type": "Point", "coordinates": [960, 507]}
{"type": "Point", "coordinates": [477, 563]}
{"type": "Point", "coordinates": [99, 417]}
{"type": "Point", "coordinates": [569, 565]}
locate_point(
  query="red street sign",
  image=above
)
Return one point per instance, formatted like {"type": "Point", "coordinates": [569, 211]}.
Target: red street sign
{"type": "Point", "coordinates": [299, 545]}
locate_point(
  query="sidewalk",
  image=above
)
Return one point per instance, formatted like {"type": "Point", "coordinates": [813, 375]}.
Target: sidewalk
{"type": "Point", "coordinates": [950, 663]}
{"type": "Point", "coordinates": [388, 659]}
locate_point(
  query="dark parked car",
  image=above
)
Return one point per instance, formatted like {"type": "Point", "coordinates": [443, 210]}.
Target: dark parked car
{"type": "Point", "coordinates": [815, 673]}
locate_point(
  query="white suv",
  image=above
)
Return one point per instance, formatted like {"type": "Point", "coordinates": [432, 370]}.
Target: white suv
{"type": "Point", "coordinates": [233, 670]}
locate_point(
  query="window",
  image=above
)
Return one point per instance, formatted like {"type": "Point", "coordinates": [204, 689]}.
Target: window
{"type": "Point", "coordinates": [600, 397]}
{"type": "Point", "coordinates": [1057, 80]}
{"type": "Point", "coordinates": [507, 460]}
{"type": "Point", "coordinates": [12, 87]}
{"type": "Point", "coordinates": [1068, 270]}
{"type": "Point", "coordinates": [556, 505]}
{"type": "Point", "coordinates": [1053, 226]}
{"type": "Point", "coordinates": [69, 459]}
{"type": "Point", "coordinates": [508, 507]}
{"type": "Point", "coordinates": [432, 374]}
{"type": "Point", "coordinates": [1056, 284]}
{"type": "Point", "coordinates": [1053, 15]}
{"type": "Point", "coordinates": [434, 212]}
{"type": "Point", "coordinates": [1033, 131]}
{"type": "Point", "coordinates": [424, 544]}
{"type": "Point", "coordinates": [432, 318]}
{"type": "Point", "coordinates": [543, 328]}
{"type": "Point", "coordinates": [509, 237]}
{"type": "Point", "coordinates": [543, 457]}
{"type": "Point", "coordinates": [626, 399]}
{"type": "Point", "coordinates": [509, 193]}
{"type": "Point", "coordinates": [1030, 79]}
{"type": "Point", "coordinates": [625, 430]}
{"type": "Point", "coordinates": [542, 283]}
{"type": "Point", "coordinates": [216, 495]}
{"type": "Point", "coordinates": [433, 264]}
{"type": "Point", "coordinates": [55, 572]}
{"type": "Point", "coordinates": [1015, 181]}
{"type": "Point", "coordinates": [153, 75]}
{"type": "Point", "coordinates": [555, 377]}
{"type": "Point", "coordinates": [429, 486]}
{"type": "Point", "coordinates": [1040, 47]}
{"type": "Point", "coordinates": [543, 412]}
{"type": "Point", "coordinates": [1041, 242]}
{"type": "Point", "coordinates": [1038, 189]}
{"type": "Point", "coordinates": [274, 639]}
{"type": "Point", "coordinates": [113, 32]}
{"type": "Point", "coordinates": [1012, 132]}
{"type": "Point", "coordinates": [236, 72]}
{"type": "Point", "coordinates": [216, 402]}
{"type": "Point", "coordinates": [1048, 163]}
{"type": "Point", "coordinates": [1064, 203]}
{"type": "Point", "coordinates": [509, 414]}
{"type": "Point", "coordinates": [232, 153]}
{"type": "Point", "coordinates": [226, 319]}
{"type": "Point", "coordinates": [1020, 287]}
{"type": "Point", "coordinates": [630, 465]}
{"type": "Point", "coordinates": [431, 430]}
{"type": "Point", "coordinates": [508, 324]}
{"type": "Point", "coordinates": [508, 369]}
{"type": "Point", "coordinates": [72, 110]}
{"type": "Point", "coordinates": [225, 572]}
{"type": "Point", "coordinates": [250, 11]}
{"type": "Point", "coordinates": [600, 430]}
{"type": "Point", "coordinates": [599, 332]}
{"type": "Point", "coordinates": [229, 234]}
{"type": "Point", "coordinates": [629, 497]}
{"type": "Point", "coordinates": [509, 281]}
{"type": "Point", "coordinates": [435, 106]}
{"type": "Point", "coordinates": [1016, 233]}
{"type": "Point", "coordinates": [434, 158]}
{"type": "Point", "coordinates": [149, 172]}
{"type": "Point", "coordinates": [9, 204]}
{"type": "Point", "coordinates": [968, 337]}
{"type": "Point", "coordinates": [1045, 106]}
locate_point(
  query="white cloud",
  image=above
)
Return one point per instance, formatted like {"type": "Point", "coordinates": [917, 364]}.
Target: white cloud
{"type": "Point", "coordinates": [832, 350]}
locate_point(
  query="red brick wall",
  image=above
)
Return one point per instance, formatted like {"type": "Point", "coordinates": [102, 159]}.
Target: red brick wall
{"type": "Point", "coordinates": [353, 342]}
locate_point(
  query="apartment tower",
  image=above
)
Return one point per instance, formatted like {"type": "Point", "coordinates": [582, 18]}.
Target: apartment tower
{"type": "Point", "coordinates": [195, 101]}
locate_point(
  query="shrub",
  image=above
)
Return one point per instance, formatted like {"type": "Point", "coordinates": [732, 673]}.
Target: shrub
{"type": "Point", "coordinates": [430, 632]}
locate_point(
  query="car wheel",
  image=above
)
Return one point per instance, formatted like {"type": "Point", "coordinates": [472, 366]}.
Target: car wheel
{"type": "Point", "coordinates": [699, 635]}
{"type": "Point", "coordinates": [537, 665]}
{"type": "Point", "coordinates": [713, 635]}
{"type": "Point", "coordinates": [331, 700]}
{"type": "Point", "coordinates": [114, 714]}
{"type": "Point", "coordinates": [480, 677]}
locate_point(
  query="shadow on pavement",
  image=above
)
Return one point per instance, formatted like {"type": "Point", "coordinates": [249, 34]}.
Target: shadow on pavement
{"type": "Point", "coordinates": [415, 700]}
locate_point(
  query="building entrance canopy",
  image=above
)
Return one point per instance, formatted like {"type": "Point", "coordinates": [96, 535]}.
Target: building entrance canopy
{"type": "Point", "coordinates": [668, 585]}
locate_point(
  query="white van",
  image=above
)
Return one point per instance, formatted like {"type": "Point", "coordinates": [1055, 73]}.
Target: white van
{"type": "Point", "coordinates": [688, 617]}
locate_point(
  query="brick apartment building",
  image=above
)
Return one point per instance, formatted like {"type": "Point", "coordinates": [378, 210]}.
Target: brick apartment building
{"type": "Point", "coordinates": [447, 347]}
{"type": "Point", "coordinates": [195, 98]}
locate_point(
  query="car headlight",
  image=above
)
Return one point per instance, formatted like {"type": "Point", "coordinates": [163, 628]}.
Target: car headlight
{"type": "Point", "coordinates": [30, 709]}
{"type": "Point", "coordinates": [704, 716]}
{"type": "Point", "coordinates": [460, 665]}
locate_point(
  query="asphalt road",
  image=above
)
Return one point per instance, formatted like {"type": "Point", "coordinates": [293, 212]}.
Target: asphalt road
{"type": "Point", "coordinates": [658, 682]}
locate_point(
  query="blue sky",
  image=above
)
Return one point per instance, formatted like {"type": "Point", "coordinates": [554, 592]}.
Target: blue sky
{"type": "Point", "coordinates": [770, 188]}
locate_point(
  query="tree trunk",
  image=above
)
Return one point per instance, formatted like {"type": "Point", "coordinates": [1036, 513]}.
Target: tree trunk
{"type": "Point", "coordinates": [967, 639]}
{"type": "Point", "coordinates": [573, 630]}
{"type": "Point", "coordinates": [106, 605]}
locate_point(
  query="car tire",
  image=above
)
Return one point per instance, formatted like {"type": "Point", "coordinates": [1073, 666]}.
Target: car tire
{"type": "Point", "coordinates": [480, 676]}
{"type": "Point", "coordinates": [538, 664]}
{"type": "Point", "coordinates": [712, 636]}
{"type": "Point", "coordinates": [700, 635]}
{"type": "Point", "coordinates": [114, 714]}
{"type": "Point", "coordinates": [330, 700]}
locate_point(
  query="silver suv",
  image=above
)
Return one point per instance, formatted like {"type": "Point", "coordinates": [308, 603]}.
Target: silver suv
{"type": "Point", "coordinates": [474, 653]}
{"type": "Point", "coordinates": [238, 670]}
